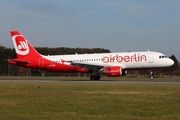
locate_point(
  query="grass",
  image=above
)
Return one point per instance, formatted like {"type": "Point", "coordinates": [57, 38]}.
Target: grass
{"type": "Point", "coordinates": [66, 101]}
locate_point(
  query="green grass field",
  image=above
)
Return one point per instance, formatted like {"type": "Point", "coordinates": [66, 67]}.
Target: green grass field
{"type": "Point", "coordinates": [87, 101]}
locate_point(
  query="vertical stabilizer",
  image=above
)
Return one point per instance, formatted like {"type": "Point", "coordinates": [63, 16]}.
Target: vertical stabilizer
{"type": "Point", "coordinates": [22, 47]}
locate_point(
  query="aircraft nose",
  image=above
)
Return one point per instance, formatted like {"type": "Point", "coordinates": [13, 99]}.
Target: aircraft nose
{"type": "Point", "coordinates": [170, 62]}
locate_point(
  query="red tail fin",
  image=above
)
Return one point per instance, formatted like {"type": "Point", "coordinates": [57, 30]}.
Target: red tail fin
{"type": "Point", "coordinates": [22, 47]}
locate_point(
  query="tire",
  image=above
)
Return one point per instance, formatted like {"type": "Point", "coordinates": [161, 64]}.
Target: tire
{"type": "Point", "coordinates": [97, 77]}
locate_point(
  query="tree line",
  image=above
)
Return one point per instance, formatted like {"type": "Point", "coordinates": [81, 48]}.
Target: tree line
{"type": "Point", "coordinates": [12, 70]}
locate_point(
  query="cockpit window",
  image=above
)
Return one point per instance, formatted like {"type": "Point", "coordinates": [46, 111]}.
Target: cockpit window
{"type": "Point", "coordinates": [162, 56]}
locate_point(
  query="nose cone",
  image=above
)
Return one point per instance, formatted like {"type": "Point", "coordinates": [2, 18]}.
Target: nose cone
{"type": "Point", "coordinates": [170, 62]}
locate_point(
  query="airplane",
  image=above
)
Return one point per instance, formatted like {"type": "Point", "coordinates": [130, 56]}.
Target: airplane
{"type": "Point", "coordinates": [110, 64]}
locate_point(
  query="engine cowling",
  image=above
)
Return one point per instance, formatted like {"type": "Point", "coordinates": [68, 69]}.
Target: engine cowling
{"type": "Point", "coordinates": [114, 71]}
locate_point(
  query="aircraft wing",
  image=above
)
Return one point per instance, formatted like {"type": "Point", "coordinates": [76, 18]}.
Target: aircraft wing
{"type": "Point", "coordinates": [98, 65]}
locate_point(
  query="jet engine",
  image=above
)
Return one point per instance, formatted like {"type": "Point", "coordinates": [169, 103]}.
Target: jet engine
{"type": "Point", "coordinates": [114, 71]}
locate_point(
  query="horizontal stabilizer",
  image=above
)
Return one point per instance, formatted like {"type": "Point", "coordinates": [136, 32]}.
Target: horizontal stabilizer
{"type": "Point", "coordinates": [18, 61]}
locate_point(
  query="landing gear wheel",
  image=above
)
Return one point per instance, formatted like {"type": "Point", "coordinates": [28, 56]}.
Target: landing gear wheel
{"type": "Point", "coordinates": [97, 77]}
{"type": "Point", "coordinates": [92, 77]}
{"type": "Point", "coordinates": [151, 75]}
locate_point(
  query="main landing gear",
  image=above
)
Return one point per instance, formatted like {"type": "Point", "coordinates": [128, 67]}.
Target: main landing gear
{"type": "Point", "coordinates": [95, 77]}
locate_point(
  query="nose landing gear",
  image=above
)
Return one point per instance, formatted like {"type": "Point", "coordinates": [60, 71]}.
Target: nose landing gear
{"type": "Point", "coordinates": [151, 75]}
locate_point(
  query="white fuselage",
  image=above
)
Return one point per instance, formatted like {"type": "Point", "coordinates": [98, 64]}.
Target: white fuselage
{"type": "Point", "coordinates": [127, 60]}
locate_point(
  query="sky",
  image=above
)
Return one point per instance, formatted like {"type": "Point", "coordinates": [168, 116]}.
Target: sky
{"type": "Point", "coordinates": [117, 25]}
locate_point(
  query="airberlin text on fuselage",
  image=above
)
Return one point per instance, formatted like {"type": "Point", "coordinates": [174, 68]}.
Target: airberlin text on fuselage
{"type": "Point", "coordinates": [127, 58]}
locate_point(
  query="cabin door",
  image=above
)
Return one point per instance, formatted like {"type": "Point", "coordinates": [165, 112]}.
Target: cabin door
{"type": "Point", "coordinates": [150, 58]}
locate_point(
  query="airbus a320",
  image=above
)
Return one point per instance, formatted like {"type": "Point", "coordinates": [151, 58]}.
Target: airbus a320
{"type": "Point", "coordinates": [110, 64]}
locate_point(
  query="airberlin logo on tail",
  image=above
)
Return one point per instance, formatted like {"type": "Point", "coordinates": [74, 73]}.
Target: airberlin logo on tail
{"type": "Point", "coordinates": [20, 44]}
